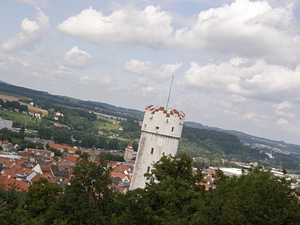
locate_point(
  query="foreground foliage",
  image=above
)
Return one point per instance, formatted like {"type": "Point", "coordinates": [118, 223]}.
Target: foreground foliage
{"type": "Point", "coordinates": [173, 195]}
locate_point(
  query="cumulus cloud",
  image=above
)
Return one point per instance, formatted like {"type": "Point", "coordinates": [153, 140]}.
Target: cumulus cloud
{"type": "Point", "coordinates": [249, 29]}
{"type": "Point", "coordinates": [16, 68]}
{"type": "Point", "coordinates": [210, 77]}
{"type": "Point", "coordinates": [285, 114]}
{"type": "Point", "coordinates": [85, 79]}
{"type": "Point", "coordinates": [237, 98]}
{"type": "Point", "coordinates": [282, 121]}
{"type": "Point", "coordinates": [78, 58]}
{"type": "Point", "coordinates": [31, 32]}
{"type": "Point", "coordinates": [245, 78]}
{"type": "Point", "coordinates": [149, 69]}
{"type": "Point", "coordinates": [243, 28]}
{"type": "Point", "coordinates": [150, 27]}
{"type": "Point", "coordinates": [284, 105]}
{"type": "Point", "coordinates": [249, 116]}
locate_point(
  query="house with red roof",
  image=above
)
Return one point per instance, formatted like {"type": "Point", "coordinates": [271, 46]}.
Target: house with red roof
{"type": "Point", "coordinates": [62, 147]}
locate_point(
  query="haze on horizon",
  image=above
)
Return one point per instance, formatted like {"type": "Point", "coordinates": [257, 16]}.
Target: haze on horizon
{"type": "Point", "coordinates": [236, 63]}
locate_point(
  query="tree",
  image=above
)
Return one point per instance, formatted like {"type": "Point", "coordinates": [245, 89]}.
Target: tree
{"type": "Point", "coordinates": [45, 133]}
{"type": "Point", "coordinates": [62, 136]}
{"type": "Point", "coordinates": [9, 203]}
{"type": "Point", "coordinates": [40, 196]}
{"type": "Point", "coordinates": [175, 168]}
{"type": "Point", "coordinates": [253, 198]}
{"type": "Point", "coordinates": [170, 196]}
{"type": "Point", "coordinates": [88, 199]}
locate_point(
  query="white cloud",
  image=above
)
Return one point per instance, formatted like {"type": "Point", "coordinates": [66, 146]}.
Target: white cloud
{"type": "Point", "coordinates": [245, 78]}
{"type": "Point", "coordinates": [143, 81]}
{"type": "Point", "coordinates": [237, 98]}
{"type": "Point", "coordinates": [249, 116]}
{"type": "Point", "coordinates": [150, 27]}
{"type": "Point", "coordinates": [284, 105]}
{"type": "Point", "coordinates": [31, 32]}
{"type": "Point", "coordinates": [249, 29]}
{"type": "Point", "coordinates": [282, 121]}
{"type": "Point", "coordinates": [148, 89]}
{"type": "Point", "coordinates": [284, 109]}
{"type": "Point", "coordinates": [149, 69]}
{"type": "Point", "coordinates": [17, 67]}
{"type": "Point", "coordinates": [285, 114]}
{"type": "Point", "coordinates": [107, 81]}
{"type": "Point", "coordinates": [210, 77]}
{"type": "Point", "coordinates": [78, 58]}
{"type": "Point", "coordinates": [85, 79]}
{"type": "Point", "coordinates": [243, 28]}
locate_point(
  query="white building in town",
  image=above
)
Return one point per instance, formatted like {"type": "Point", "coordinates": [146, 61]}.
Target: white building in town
{"type": "Point", "coordinates": [161, 132]}
{"type": "Point", "coordinates": [6, 124]}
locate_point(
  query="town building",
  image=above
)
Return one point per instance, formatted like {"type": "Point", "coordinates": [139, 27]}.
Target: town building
{"type": "Point", "coordinates": [128, 152]}
{"type": "Point", "coordinates": [5, 124]}
{"type": "Point", "coordinates": [161, 132]}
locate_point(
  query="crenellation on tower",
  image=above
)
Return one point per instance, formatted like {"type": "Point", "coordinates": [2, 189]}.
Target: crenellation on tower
{"type": "Point", "coordinates": [161, 132]}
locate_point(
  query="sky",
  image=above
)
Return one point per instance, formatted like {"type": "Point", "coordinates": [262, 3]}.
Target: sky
{"type": "Point", "coordinates": [236, 64]}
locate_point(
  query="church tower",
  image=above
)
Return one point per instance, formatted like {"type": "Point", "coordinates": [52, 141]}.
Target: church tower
{"type": "Point", "coordinates": [128, 152]}
{"type": "Point", "coordinates": [161, 132]}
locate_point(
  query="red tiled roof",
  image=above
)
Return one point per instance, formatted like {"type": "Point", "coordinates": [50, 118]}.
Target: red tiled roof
{"type": "Point", "coordinates": [7, 183]}
{"type": "Point", "coordinates": [9, 172]}
{"type": "Point", "coordinates": [71, 158]}
{"type": "Point", "coordinates": [62, 147]}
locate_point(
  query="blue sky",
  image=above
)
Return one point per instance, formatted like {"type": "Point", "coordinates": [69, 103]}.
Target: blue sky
{"type": "Point", "coordinates": [236, 64]}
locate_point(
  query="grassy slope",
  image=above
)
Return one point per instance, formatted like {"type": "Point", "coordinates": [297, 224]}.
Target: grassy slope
{"type": "Point", "coordinates": [104, 123]}
{"type": "Point", "coordinates": [17, 117]}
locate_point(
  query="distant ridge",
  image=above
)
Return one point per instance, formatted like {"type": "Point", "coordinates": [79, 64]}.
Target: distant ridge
{"type": "Point", "coordinates": [3, 82]}
{"type": "Point", "coordinates": [69, 101]}
{"type": "Point", "coordinates": [250, 139]}
{"type": "Point", "coordinates": [120, 111]}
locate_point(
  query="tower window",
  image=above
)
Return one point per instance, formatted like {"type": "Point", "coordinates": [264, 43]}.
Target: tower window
{"type": "Point", "coordinates": [152, 149]}
{"type": "Point", "coordinates": [156, 128]}
{"type": "Point", "coordinates": [148, 169]}
{"type": "Point", "coordinates": [172, 129]}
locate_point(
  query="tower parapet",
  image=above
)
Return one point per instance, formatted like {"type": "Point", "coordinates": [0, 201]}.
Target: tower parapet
{"type": "Point", "coordinates": [161, 132]}
{"type": "Point", "coordinates": [166, 122]}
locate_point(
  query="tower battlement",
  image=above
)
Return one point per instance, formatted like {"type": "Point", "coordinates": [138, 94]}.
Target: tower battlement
{"type": "Point", "coordinates": [161, 121]}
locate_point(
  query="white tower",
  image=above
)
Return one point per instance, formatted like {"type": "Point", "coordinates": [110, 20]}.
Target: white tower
{"type": "Point", "coordinates": [128, 152]}
{"type": "Point", "coordinates": [161, 132]}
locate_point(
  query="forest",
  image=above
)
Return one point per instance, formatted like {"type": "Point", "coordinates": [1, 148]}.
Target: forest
{"type": "Point", "coordinates": [174, 194]}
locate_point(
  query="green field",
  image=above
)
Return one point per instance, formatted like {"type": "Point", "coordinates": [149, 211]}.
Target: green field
{"type": "Point", "coordinates": [192, 149]}
{"type": "Point", "coordinates": [18, 117]}
{"type": "Point", "coordinates": [104, 123]}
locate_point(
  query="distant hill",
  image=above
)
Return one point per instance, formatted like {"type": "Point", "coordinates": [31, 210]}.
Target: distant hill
{"type": "Point", "coordinates": [220, 144]}
{"type": "Point", "coordinates": [252, 140]}
{"type": "Point", "coordinates": [68, 101]}
{"type": "Point", "coordinates": [125, 112]}
{"type": "Point", "coordinates": [3, 82]}
{"type": "Point", "coordinates": [197, 140]}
